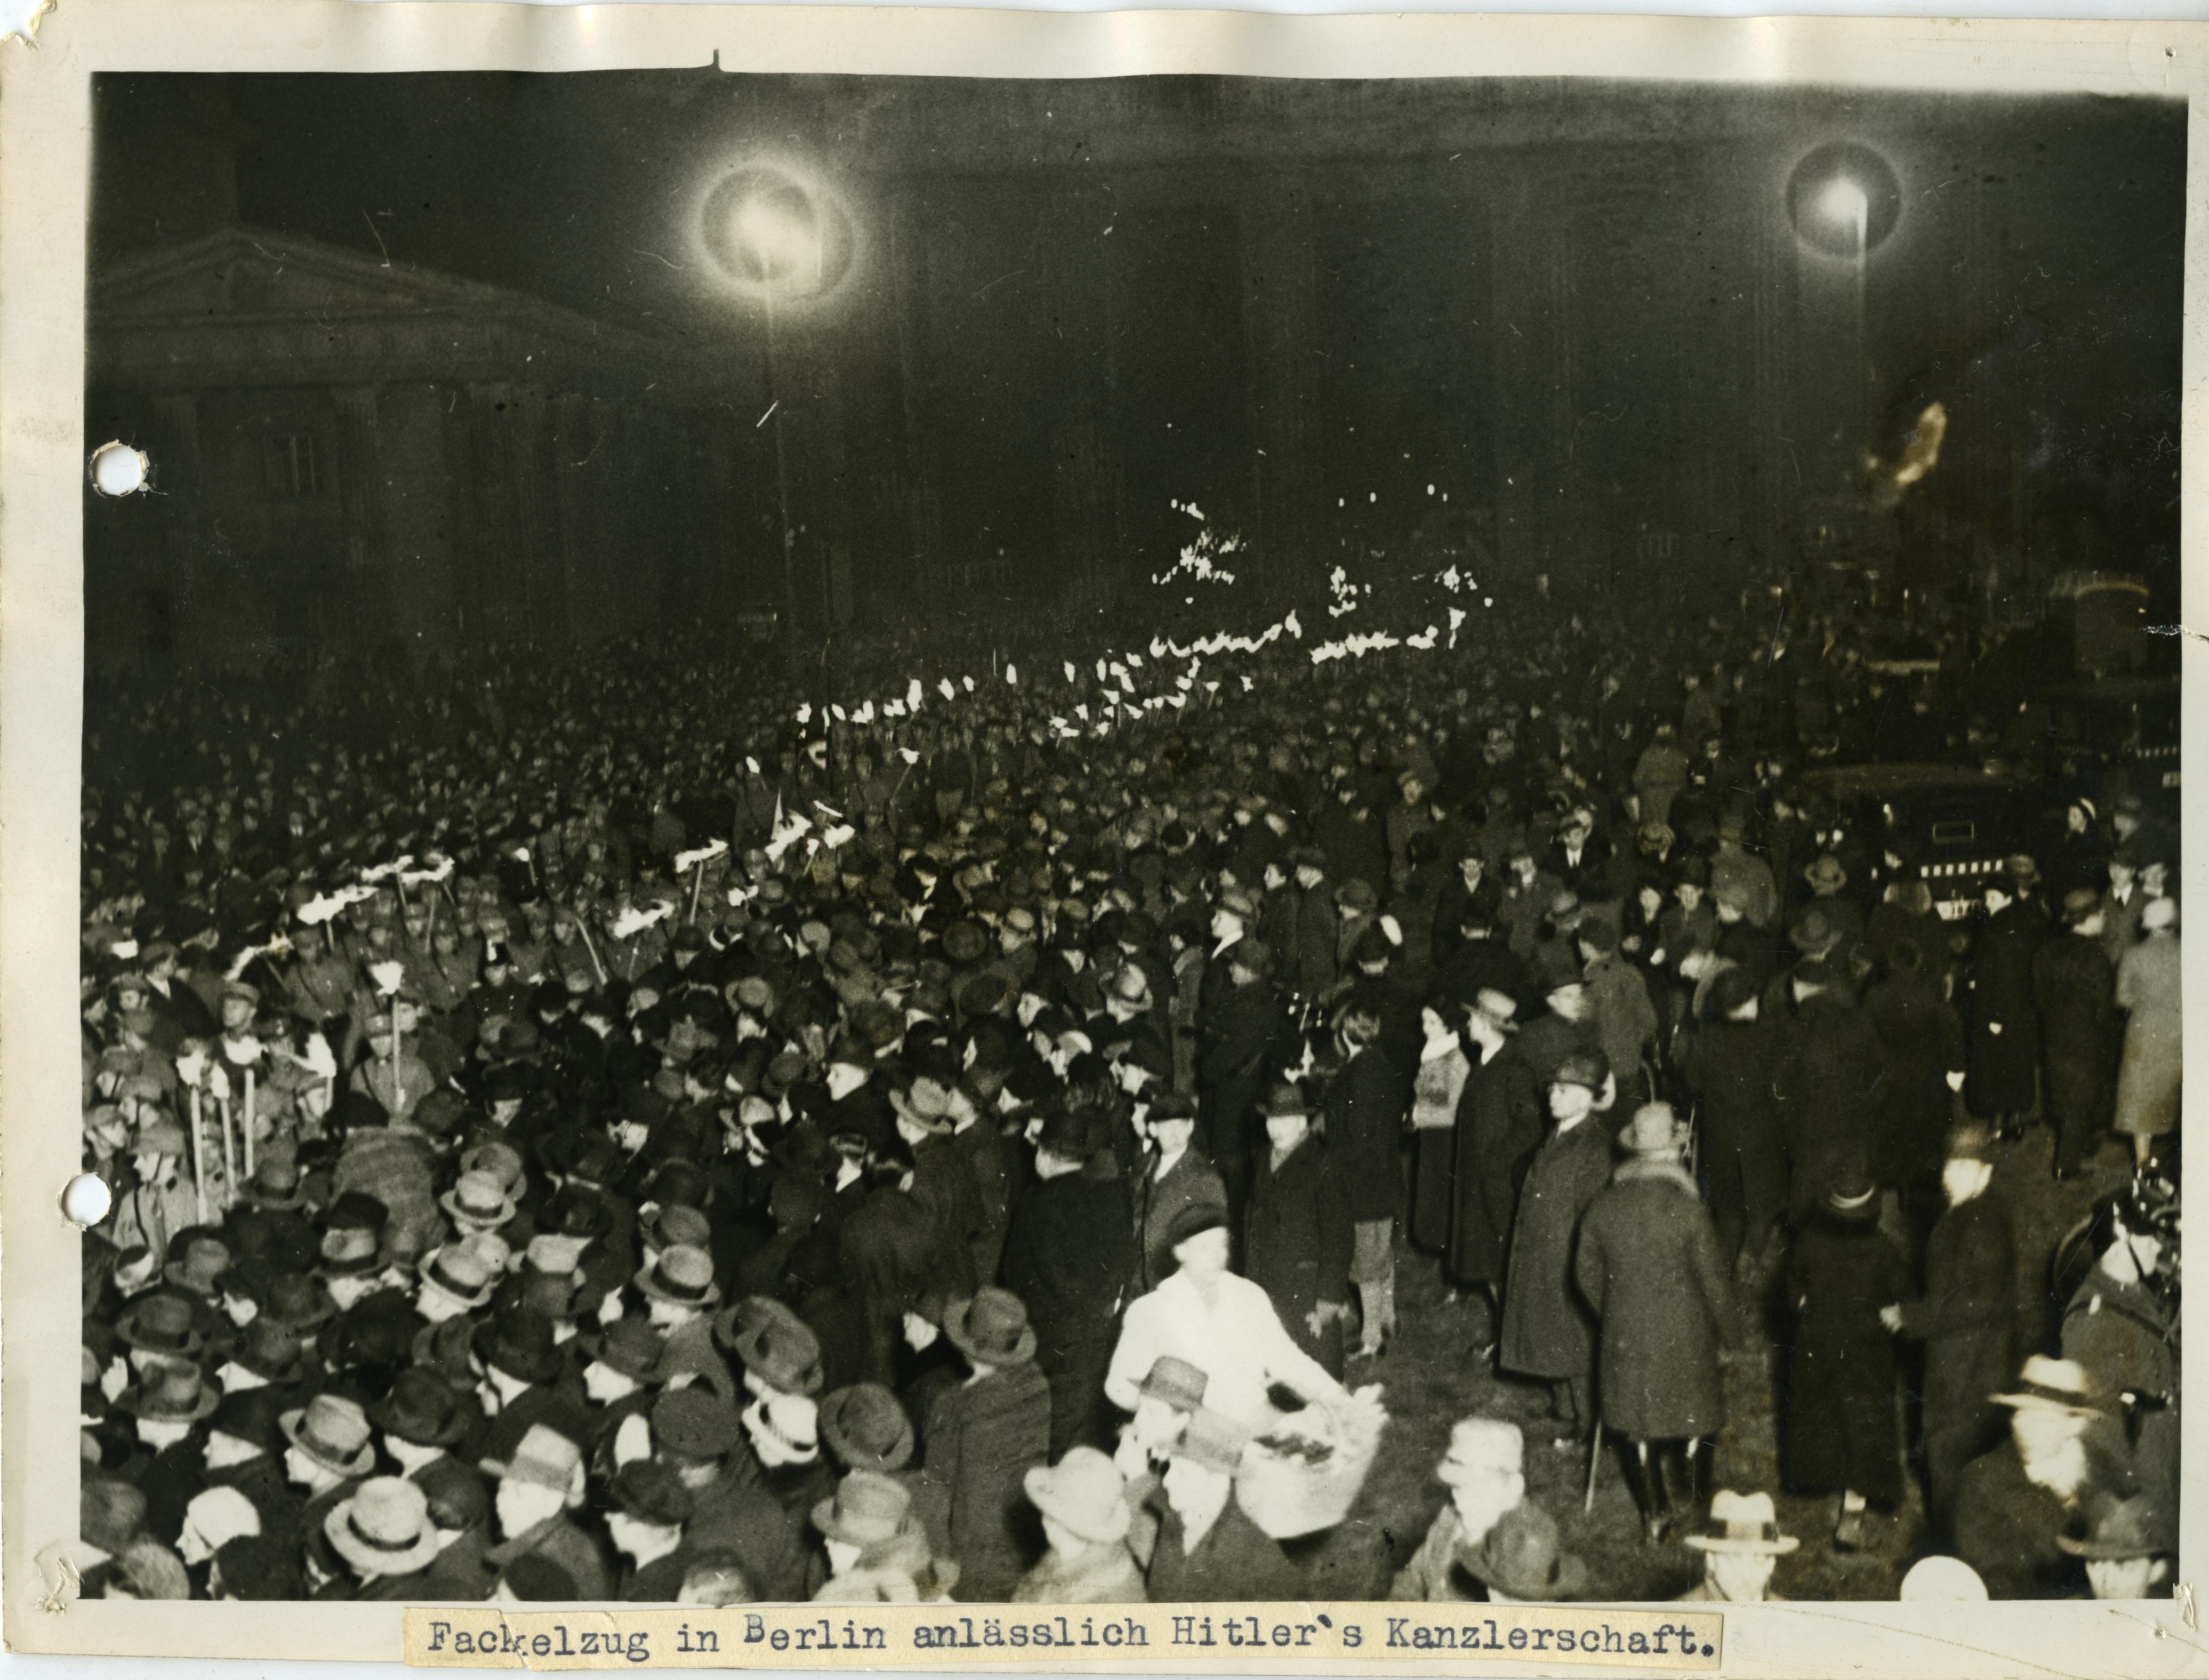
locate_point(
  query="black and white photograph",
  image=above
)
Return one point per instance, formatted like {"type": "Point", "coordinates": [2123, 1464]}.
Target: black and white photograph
{"type": "Point", "coordinates": [1181, 839]}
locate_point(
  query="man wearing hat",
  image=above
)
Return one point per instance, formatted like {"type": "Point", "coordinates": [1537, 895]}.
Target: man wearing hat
{"type": "Point", "coordinates": [1173, 1174]}
{"type": "Point", "coordinates": [2074, 988]}
{"type": "Point", "coordinates": [1519, 1560]}
{"type": "Point", "coordinates": [425, 1422]}
{"type": "Point", "coordinates": [644, 1523]}
{"type": "Point", "coordinates": [539, 1481]}
{"type": "Point", "coordinates": [1244, 1038]}
{"type": "Point", "coordinates": [2125, 1556]}
{"type": "Point", "coordinates": [330, 1452]}
{"type": "Point", "coordinates": [697, 1433]}
{"type": "Point", "coordinates": [1500, 1117]}
{"type": "Point", "coordinates": [1647, 1263]}
{"type": "Point", "coordinates": [1828, 1077]}
{"type": "Point", "coordinates": [1967, 1318]}
{"type": "Point", "coordinates": [1083, 1502]}
{"type": "Point", "coordinates": [1740, 1547]}
{"type": "Point", "coordinates": [1299, 1236]}
{"type": "Point", "coordinates": [2062, 1464]}
{"type": "Point", "coordinates": [983, 1437]}
{"type": "Point", "coordinates": [1207, 1549]}
{"type": "Point", "coordinates": [1547, 1331]}
{"type": "Point", "coordinates": [2004, 1049]}
{"type": "Point", "coordinates": [1567, 1026]}
{"type": "Point", "coordinates": [2121, 1326]}
{"type": "Point", "coordinates": [1484, 1470]}
{"type": "Point", "coordinates": [1066, 1257]}
{"type": "Point", "coordinates": [382, 1530]}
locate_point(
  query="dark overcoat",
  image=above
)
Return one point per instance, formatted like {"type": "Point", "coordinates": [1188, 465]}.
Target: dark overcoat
{"type": "Point", "coordinates": [2075, 990]}
{"type": "Point", "coordinates": [2005, 1022]}
{"type": "Point", "coordinates": [1066, 1256]}
{"type": "Point", "coordinates": [1547, 1330]}
{"type": "Point", "coordinates": [1500, 1117]}
{"type": "Point", "coordinates": [1841, 1362]}
{"type": "Point", "coordinates": [1968, 1319]}
{"type": "Point", "coordinates": [1828, 1079]}
{"type": "Point", "coordinates": [1744, 1139]}
{"type": "Point", "coordinates": [1191, 1182]}
{"type": "Point", "coordinates": [982, 1439]}
{"type": "Point", "coordinates": [1366, 1107]}
{"type": "Point", "coordinates": [1923, 1042]}
{"type": "Point", "coordinates": [1235, 1562]}
{"type": "Point", "coordinates": [1648, 1264]}
{"type": "Point", "coordinates": [1297, 1243]}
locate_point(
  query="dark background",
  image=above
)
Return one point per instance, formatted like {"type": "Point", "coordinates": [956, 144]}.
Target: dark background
{"type": "Point", "coordinates": [1577, 308]}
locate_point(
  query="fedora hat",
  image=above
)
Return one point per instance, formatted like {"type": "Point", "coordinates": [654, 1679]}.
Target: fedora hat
{"type": "Point", "coordinates": [992, 1328]}
{"type": "Point", "coordinates": [1214, 1440]}
{"type": "Point", "coordinates": [172, 1392]}
{"type": "Point", "coordinates": [519, 1342]}
{"type": "Point", "coordinates": [865, 1510]}
{"type": "Point", "coordinates": [781, 1350]}
{"type": "Point", "coordinates": [1357, 893]}
{"type": "Point", "coordinates": [1175, 1382]}
{"type": "Point", "coordinates": [1283, 1100]}
{"type": "Point", "coordinates": [1519, 1557]}
{"type": "Point", "coordinates": [1084, 1493]}
{"type": "Point", "coordinates": [653, 1492]}
{"type": "Point", "coordinates": [1253, 955]}
{"type": "Point", "coordinates": [205, 1259]}
{"type": "Point", "coordinates": [1066, 1133]}
{"type": "Point", "coordinates": [543, 1457]}
{"type": "Point", "coordinates": [422, 1407]}
{"type": "Point", "coordinates": [1131, 987]}
{"type": "Point", "coordinates": [332, 1431]}
{"type": "Point", "coordinates": [300, 1300]}
{"type": "Point", "coordinates": [479, 1199]}
{"type": "Point", "coordinates": [2061, 1385]}
{"type": "Point", "coordinates": [384, 1529]}
{"type": "Point", "coordinates": [675, 1224]}
{"type": "Point", "coordinates": [1743, 1522]}
{"type": "Point", "coordinates": [351, 1251]}
{"type": "Point", "coordinates": [683, 1275]}
{"type": "Point", "coordinates": [926, 1103]}
{"type": "Point", "coordinates": [272, 1351]}
{"type": "Point", "coordinates": [461, 1270]}
{"type": "Point", "coordinates": [632, 1346]}
{"type": "Point", "coordinates": [502, 1160]}
{"type": "Point", "coordinates": [2125, 1529]}
{"type": "Point", "coordinates": [1585, 1067]}
{"type": "Point", "coordinates": [160, 1324]}
{"type": "Point", "coordinates": [866, 1427]}
{"type": "Point", "coordinates": [696, 1422]}
{"type": "Point", "coordinates": [1194, 1220]}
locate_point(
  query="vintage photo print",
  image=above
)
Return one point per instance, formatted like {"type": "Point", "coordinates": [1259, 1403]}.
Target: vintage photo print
{"type": "Point", "coordinates": [981, 831]}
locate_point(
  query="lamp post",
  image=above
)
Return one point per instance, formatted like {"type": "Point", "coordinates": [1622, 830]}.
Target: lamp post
{"type": "Point", "coordinates": [1843, 199]}
{"type": "Point", "coordinates": [779, 239]}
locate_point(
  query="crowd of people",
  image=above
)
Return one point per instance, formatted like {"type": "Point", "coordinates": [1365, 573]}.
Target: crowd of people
{"type": "Point", "coordinates": [616, 1127]}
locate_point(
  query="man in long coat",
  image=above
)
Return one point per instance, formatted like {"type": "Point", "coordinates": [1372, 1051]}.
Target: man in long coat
{"type": "Point", "coordinates": [1547, 1329]}
{"type": "Point", "coordinates": [2005, 1022]}
{"type": "Point", "coordinates": [1966, 1317]}
{"type": "Point", "coordinates": [1066, 1257]}
{"type": "Point", "coordinates": [1365, 1110]}
{"type": "Point", "coordinates": [1743, 1137]}
{"type": "Point", "coordinates": [1829, 1073]}
{"type": "Point", "coordinates": [1297, 1234]}
{"type": "Point", "coordinates": [1922, 1039]}
{"type": "Point", "coordinates": [1173, 1174]}
{"type": "Point", "coordinates": [1648, 1264]}
{"type": "Point", "coordinates": [1500, 1120]}
{"type": "Point", "coordinates": [2075, 989]}
{"type": "Point", "coordinates": [983, 1437]}
{"type": "Point", "coordinates": [1239, 1041]}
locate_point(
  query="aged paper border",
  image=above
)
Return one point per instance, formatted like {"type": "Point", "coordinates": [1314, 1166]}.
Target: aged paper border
{"type": "Point", "coordinates": [45, 135]}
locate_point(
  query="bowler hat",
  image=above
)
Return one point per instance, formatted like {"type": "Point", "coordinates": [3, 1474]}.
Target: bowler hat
{"type": "Point", "coordinates": [695, 1423]}
{"type": "Point", "coordinates": [1253, 955]}
{"type": "Point", "coordinates": [1194, 1220]}
{"type": "Point", "coordinates": [866, 1427]}
{"type": "Point", "coordinates": [1586, 1067]}
{"type": "Point", "coordinates": [250, 1415]}
{"type": "Point", "coordinates": [271, 1352]}
{"type": "Point", "coordinates": [992, 1328]}
{"type": "Point", "coordinates": [1282, 1099]}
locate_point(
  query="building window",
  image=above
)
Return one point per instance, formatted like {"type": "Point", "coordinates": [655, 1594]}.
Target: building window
{"type": "Point", "coordinates": [294, 468]}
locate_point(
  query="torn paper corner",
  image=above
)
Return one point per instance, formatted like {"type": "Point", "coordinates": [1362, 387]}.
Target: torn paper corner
{"type": "Point", "coordinates": [18, 19]}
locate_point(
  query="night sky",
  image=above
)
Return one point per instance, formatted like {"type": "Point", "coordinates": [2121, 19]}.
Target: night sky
{"type": "Point", "coordinates": [2036, 273]}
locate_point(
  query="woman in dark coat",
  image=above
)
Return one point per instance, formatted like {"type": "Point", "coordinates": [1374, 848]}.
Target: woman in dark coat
{"type": "Point", "coordinates": [1547, 1330]}
{"type": "Point", "coordinates": [1295, 1232]}
{"type": "Point", "coordinates": [1500, 1119]}
{"type": "Point", "coordinates": [1648, 1264]}
{"type": "Point", "coordinates": [2004, 1070]}
{"type": "Point", "coordinates": [1842, 1368]}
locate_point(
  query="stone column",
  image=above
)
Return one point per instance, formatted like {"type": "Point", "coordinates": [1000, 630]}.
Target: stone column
{"type": "Point", "coordinates": [362, 488]}
{"type": "Point", "coordinates": [1280, 327]}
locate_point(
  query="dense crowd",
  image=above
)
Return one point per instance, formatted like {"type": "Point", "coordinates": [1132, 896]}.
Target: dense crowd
{"type": "Point", "coordinates": [614, 1126]}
